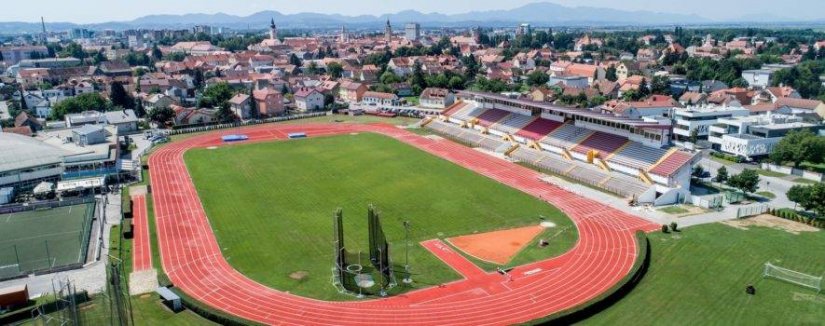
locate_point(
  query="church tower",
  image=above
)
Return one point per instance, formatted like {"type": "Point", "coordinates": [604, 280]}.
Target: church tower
{"type": "Point", "coordinates": [273, 31]}
{"type": "Point", "coordinates": [388, 32]}
{"type": "Point", "coordinates": [344, 36]}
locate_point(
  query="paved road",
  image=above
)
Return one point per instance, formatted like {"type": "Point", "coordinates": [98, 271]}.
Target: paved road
{"type": "Point", "coordinates": [778, 186]}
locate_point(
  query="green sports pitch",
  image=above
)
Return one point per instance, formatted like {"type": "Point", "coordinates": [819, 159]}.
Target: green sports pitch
{"type": "Point", "coordinates": [271, 206]}
{"type": "Point", "coordinates": [44, 239]}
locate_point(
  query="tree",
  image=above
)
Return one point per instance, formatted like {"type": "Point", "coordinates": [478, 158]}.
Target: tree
{"type": "Point", "coordinates": [80, 103]}
{"type": "Point", "coordinates": [293, 60]}
{"type": "Point", "coordinates": [610, 73]}
{"type": "Point", "coordinates": [798, 146]}
{"type": "Point", "coordinates": [644, 89]}
{"type": "Point", "coordinates": [156, 54]}
{"type": "Point", "coordinates": [161, 115]}
{"type": "Point", "coordinates": [417, 76]}
{"type": "Point", "coordinates": [225, 113]}
{"type": "Point", "coordinates": [335, 69]}
{"type": "Point", "coordinates": [698, 171]}
{"type": "Point", "coordinates": [216, 95]}
{"type": "Point", "coordinates": [537, 78]}
{"type": "Point", "coordinates": [747, 181]}
{"type": "Point", "coordinates": [800, 195]}
{"type": "Point", "coordinates": [120, 97]}
{"type": "Point", "coordinates": [722, 174]}
{"type": "Point", "coordinates": [388, 77]}
{"type": "Point", "coordinates": [694, 135]}
{"type": "Point", "coordinates": [312, 68]}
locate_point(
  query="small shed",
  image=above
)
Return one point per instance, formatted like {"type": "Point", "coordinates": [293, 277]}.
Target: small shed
{"type": "Point", "coordinates": [14, 296]}
{"type": "Point", "coordinates": [171, 299]}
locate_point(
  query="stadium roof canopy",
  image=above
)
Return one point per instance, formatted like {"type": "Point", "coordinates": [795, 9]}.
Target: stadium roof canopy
{"type": "Point", "coordinates": [20, 152]}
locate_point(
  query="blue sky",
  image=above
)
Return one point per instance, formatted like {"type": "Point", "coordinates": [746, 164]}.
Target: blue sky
{"type": "Point", "coordinates": [92, 11]}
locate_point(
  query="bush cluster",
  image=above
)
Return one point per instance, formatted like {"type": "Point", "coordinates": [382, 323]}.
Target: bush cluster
{"type": "Point", "coordinates": [789, 214]}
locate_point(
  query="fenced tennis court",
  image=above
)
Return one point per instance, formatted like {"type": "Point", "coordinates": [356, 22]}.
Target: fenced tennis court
{"type": "Point", "coordinates": [46, 238]}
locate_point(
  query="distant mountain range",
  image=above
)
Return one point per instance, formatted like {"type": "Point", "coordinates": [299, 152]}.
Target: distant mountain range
{"type": "Point", "coordinates": [542, 13]}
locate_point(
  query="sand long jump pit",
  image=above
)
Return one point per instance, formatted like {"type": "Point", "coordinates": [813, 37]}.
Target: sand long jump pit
{"type": "Point", "coordinates": [497, 247]}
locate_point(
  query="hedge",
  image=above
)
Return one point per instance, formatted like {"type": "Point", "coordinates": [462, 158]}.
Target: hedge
{"type": "Point", "coordinates": [790, 214]}
{"type": "Point", "coordinates": [726, 157]}
{"type": "Point", "coordinates": [609, 297]}
{"type": "Point", "coordinates": [209, 312]}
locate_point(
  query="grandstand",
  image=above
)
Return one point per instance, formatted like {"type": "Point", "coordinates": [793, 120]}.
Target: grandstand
{"type": "Point", "coordinates": [624, 156]}
{"type": "Point", "coordinates": [491, 116]}
{"type": "Point", "coordinates": [566, 136]}
{"type": "Point", "coordinates": [513, 123]}
{"type": "Point", "coordinates": [538, 129]}
{"type": "Point", "coordinates": [601, 142]}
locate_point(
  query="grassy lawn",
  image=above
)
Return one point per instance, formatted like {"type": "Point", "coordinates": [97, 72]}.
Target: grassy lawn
{"type": "Point", "coordinates": [412, 100]}
{"type": "Point", "coordinates": [698, 277]}
{"type": "Point", "coordinates": [720, 160]}
{"type": "Point", "coordinates": [271, 206]}
{"type": "Point", "coordinates": [805, 181]}
{"type": "Point", "coordinates": [674, 210]}
{"type": "Point", "coordinates": [770, 173]}
{"type": "Point", "coordinates": [766, 194]}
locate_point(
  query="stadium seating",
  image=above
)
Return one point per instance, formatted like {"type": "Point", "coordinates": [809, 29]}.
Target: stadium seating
{"type": "Point", "coordinates": [513, 123]}
{"type": "Point", "coordinates": [538, 129]}
{"type": "Point", "coordinates": [491, 116]}
{"type": "Point", "coordinates": [469, 112]}
{"type": "Point", "coordinates": [457, 106]}
{"type": "Point", "coordinates": [621, 185]}
{"type": "Point", "coordinates": [672, 163]}
{"type": "Point", "coordinates": [637, 156]}
{"type": "Point", "coordinates": [566, 136]}
{"type": "Point", "coordinates": [603, 142]}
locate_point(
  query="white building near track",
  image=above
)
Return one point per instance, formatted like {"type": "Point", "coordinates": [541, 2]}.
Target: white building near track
{"type": "Point", "coordinates": [26, 161]}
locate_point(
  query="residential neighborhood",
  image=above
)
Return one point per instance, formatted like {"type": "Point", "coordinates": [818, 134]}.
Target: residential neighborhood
{"type": "Point", "coordinates": [546, 163]}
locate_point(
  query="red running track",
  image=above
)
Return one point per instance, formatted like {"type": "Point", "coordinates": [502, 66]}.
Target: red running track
{"type": "Point", "coordinates": [141, 248]}
{"type": "Point", "coordinates": [604, 253]}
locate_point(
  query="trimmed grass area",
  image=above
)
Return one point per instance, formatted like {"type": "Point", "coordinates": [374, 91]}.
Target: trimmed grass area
{"type": "Point", "coordinates": [766, 194]}
{"type": "Point", "coordinates": [805, 181]}
{"type": "Point", "coordinates": [43, 238]}
{"type": "Point", "coordinates": [271, 206]}
{"type": "Point", "coordinates": [770, 173]}
{"type": "Point", "coordinates": [698, 277]}
{"type": "Point", "coordinates": [674, 210]}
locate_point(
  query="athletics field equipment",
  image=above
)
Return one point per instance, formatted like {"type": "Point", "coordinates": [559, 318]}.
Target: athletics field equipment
{"type": "Point", "coordinates": [605, 253]}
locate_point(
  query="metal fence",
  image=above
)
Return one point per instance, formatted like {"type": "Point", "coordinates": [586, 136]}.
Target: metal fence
{"type": "Point", "coordinates": [187, 129]}
{"type": "Point", "coordinates": [24, 207]}
{"type": "Point", "coordinates": [752, 210]}
{"type": "Point", "coordinates": [48, 253]}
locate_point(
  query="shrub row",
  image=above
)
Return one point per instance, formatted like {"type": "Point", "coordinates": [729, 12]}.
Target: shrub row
{"type": "Point", "coordinates": [728, 157]}
{"type": "Point", "coordinates": [792, 215]}
{"type": "Point", "coordinates": [614, 294]}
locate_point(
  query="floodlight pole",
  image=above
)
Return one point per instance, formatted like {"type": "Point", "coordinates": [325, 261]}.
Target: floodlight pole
{"type": "Point", "coordinates": [407, 278]}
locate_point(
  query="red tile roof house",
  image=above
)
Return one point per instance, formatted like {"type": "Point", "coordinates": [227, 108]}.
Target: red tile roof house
{"type": "Point", "coordinates": [269, 102]}
{"type": "Point", "coordinates": [436, 98]}
{"type": "Point", "coordinates": [380, 98]}
{"type": "Point", "coordinates": [240, 105]}
{"type": "Point", "coordinates": [307, 99]}
{"type": "Point", "coordinates": [351, 92]}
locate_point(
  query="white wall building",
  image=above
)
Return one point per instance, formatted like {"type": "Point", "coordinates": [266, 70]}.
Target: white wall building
{"type": "Point", "coordinates": [700, 118]}
{"type": "Point", "coordinates": [754, 136]}
{"type": "Point", "coordinates": [759, 78]}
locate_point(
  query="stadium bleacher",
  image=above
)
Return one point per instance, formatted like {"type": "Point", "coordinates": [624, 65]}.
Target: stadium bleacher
{"type": "Point", "coordinates": [538, 129]}
{"type": "Point", "coordinates": [637, 156]}
{"type": "Point", "coordinates": [566, 136]}
{"type": "Point", "coordinates": [603, 142]}
{"type": "Point", "coordinates": [491, 116]}
{"type": "Point", "coordinates": [468, 113]}
{"type": "Point", "coordinates": [672, 163]}
{"type": "Point", "coordinates": [513, 123]}
{"type": "Point", "coordinates": [457, 106]}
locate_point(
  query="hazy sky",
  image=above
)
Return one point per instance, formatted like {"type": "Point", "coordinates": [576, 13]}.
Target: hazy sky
{"type": "Point", "coordinates": [93, 11]}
